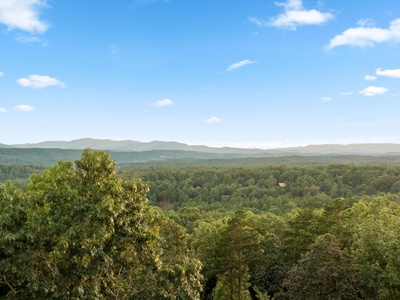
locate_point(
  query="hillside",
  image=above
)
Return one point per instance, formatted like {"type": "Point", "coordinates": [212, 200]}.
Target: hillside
{"type": "Point", "coordinates": [48, 157]}
{"type": "Point", "coordinates": [157, 152]}
{"type": "Point", "coordinates": [130, 145]}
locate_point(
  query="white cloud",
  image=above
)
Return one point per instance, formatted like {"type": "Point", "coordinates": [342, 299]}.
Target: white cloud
{"type": "Point", "coordinates": [388, 73]}
{"type": "Point", "coordinates": [258, 22]}
{"type": "Point", "coordinates": [213, 120]}
{"type": "Point", "coordinates": [367, 36]}
{"type": "Point", "coordinates": [326, 99]}
{"type": "Point", "coordinates": [1, 74]}
{"type": "Point", "coordinates": [239, 64]}
{"type": "Point", "coordinates": [163, 102]}
{"type": "Point", "coordinates": [291, 4]}
{"type": "Point", "coordinates": [347, 93]}
{"type": "Point", "coordinates": [370, 77]}
{"type": "Point", "coordinates": [373, 90]}
{"type": "Point", "coordinates": [3, 110]}
{"type": "Point", "coordinates": [23, 15]}
{"type": "Point", "coordinates": [29, 39]}
{"type": "Point", "coordinates": [24, 108]}
{"type": "Point", "coordinates": [295, 15]}
{"type": "Point", "coordinates": [40, 81]}
{"type": "Point", "coordinates": [366, 22]}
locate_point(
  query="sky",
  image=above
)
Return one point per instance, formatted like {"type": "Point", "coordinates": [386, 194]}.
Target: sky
{"type": "Point", "coordinates": [241, 73]}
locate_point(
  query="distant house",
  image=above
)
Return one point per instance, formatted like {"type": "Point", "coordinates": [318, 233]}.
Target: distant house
{"type": "Point", "coordinates": [282, 184]}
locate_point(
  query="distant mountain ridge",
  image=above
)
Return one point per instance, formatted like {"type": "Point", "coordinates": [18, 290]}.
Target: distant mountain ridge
{"type": "Point", "coordinates": [157, 152]}
{"type": "Point", "coordinates": [135, 146]}
{"type": "Point", "coordinates": [127, 146]}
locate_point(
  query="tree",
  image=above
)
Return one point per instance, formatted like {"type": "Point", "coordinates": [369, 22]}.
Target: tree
{"type": "Point", "coordinates": [266, 275]}
{"type": "Point", "coordinates": [336, 220]}
{"type": "Point", "coordinates": [301, 233]}
{"type": "Point", "coordinates": [227, 250]}
{"type": "Point", "coordinates": [84, 233]}
{"type": "Point", "coordinates": [376, 248]}
{"type": "Point", "coordinates": [179, 274]}
{"type": "Point", "coordinates": [324, 272]}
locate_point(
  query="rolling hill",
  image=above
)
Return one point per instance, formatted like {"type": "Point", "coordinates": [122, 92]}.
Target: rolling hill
{"type": "Point", "coordinates": [130, 145]}
{"type": "Point", "coordinates": [158, 152]}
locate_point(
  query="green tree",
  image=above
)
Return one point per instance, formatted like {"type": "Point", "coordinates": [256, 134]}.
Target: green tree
{"type": "Point", "coordinates": [227, 250]}
{"type": "Point", "coordinates": [336, 220]}
{"type": "Point", "coordinates": [300, 234]}
{"type": "Point", "coordinates": [266, 275]}
{"type": "Point", "coordinates": [376, 248]}
{"type": "Point", "coordinates": [324, 272]}
{"type": "Point", "coordinates": [81, 232]}
{"type": "Point", "coordinates": [179, 275]}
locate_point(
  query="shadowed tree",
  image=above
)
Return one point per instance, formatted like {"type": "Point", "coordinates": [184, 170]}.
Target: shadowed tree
{"type": "Point", "coordinates": [326, 271]}
{"type": "Point", "coordinates": [227, 251]}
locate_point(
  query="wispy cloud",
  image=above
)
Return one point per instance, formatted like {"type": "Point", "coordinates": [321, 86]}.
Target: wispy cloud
{"type": "Point", "coordinates": [213, 120]}
{"type": "Point", "coordinates": [366, 22]}
{"type": "Point", "coordinates": [163, 102]}
{"type": "Point", "coordinates": [3, 110]}
{"type": "Point", "coordinates": [326, 98]}
{"type": "Point", "coordinates": [23, 15]}
{"type": "Point", "coordinates": [367, 36]}
{"type": "Point", "coordinates": [24, 108]}
{"type": "Point", "coordinates": [395, 73]}
{"type": "Point", "coordinates": [373, 91]}
{"type": "Point", "coordinates": [240, 64]}
{"type": "Point", "coordinates": [24, 39]}
{"type": "Point", "coordinates": [369, 77]}
{"type": "Point", "coordinates": [347, 93]}
{"type": "Point", "coordinates": [40, 81]}
{"type": "Point", "coordinates": [1, 74]}
{"type": "Point", "coordinates": [295, 15]}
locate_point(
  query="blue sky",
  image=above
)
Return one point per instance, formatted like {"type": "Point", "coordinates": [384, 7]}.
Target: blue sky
{"type": "Point", "coordinates": [243, 73]}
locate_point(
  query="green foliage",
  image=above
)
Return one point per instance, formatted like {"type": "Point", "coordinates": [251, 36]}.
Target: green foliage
{"type": "Point", "coordinates": [300, 234]}
{"type": "Point", "coordinates": [80, 231]}
{"type": "Point", "coordinates": [179, 274]}
{"type": "Point", "coordinates": [18, 175]}
{"type": "Point", "coordinates": [257, 188]}
{"type": "Point", "coordinates": [376, 248]}
{"type": "Point", "coordinates": [227, 249]}
{"type": "Point", "coordinates": [326, 271]}
{"type": "Point", "coordinates": [185, 157]}
{"type": "Point", "coordinates": [83, 233]}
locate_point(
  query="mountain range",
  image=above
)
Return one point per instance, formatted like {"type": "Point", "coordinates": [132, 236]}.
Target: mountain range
{"type": "Point", "coordinates": [133, 152]}
{"type": "Point", "coordinates": [130, 145]}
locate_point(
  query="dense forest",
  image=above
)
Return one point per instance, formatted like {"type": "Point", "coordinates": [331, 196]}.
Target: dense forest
{"type": "Point", "coordinates": [91, 231]}
{"type": "Point", "coordinates": [276, 189]}
{"type": "Point", "coordinates": [46, 157]}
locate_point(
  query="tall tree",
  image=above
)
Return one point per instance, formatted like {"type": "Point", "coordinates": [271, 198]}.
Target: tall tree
{"type": "Point", "coordinates": [376, 248]}
{"type": "Point", "coordinates": [227, 253]}
{"type": "Point", "coordinates": [326, 271]}
{"type": "Point", "coordinates": [81, 232]}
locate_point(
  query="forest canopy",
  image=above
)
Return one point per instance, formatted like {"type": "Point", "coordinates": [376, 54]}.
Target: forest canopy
{"type": "Point", "coordinates": [81, 232]}
{"type": "Point", "coordinates": [87, 230]}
